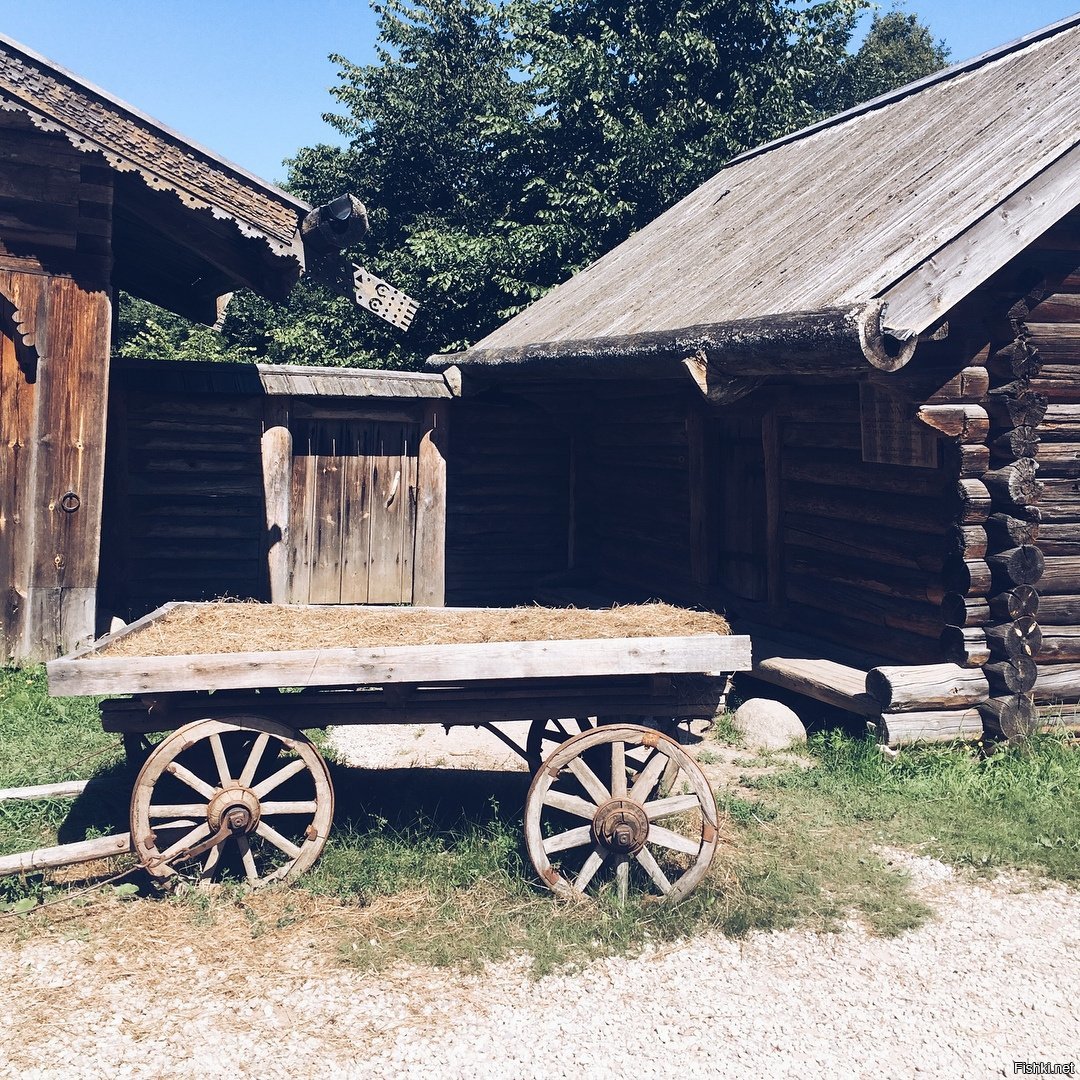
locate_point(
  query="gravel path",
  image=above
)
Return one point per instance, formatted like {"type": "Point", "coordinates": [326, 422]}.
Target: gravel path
{"type": "Point", "coordinates": [994, 978]}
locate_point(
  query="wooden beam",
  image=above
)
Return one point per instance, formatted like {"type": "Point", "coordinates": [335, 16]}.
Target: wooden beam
{"type": "Point", "coordinates": [429, 560]}
{"type": "Point", "coordinates": [103, 847]}
{"type": "Point", "coordinates": [932, 289]}
{"type": "Point", "coordinates": [277, 478]}
{"type": "Point", "coordinates": [704, 653]}
{"type": "Point", "coordinates": [834, 341]}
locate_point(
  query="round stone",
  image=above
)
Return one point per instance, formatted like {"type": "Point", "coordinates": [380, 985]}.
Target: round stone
{"type": "Point", "coordinates": [768, 725]}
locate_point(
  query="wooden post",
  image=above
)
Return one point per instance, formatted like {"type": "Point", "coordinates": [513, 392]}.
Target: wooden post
{"type": "Point", "coordinates": [429, 563]}
{"type": "Point", "coordinates": [277, 476]}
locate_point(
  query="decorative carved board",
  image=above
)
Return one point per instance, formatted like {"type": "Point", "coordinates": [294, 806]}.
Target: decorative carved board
{"type": "Point", "coordinates": [382, 299]}
{"type": "Point", "coordinates": [891, 434]}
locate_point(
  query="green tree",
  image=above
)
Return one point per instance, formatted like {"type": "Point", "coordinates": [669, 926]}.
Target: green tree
{"type": "Point", "coordinates": [501, 146]}
{"type": "Point", "coordinates": [897, 50]}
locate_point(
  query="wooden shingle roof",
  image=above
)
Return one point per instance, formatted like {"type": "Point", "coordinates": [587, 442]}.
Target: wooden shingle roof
{"type": "Point", "coordinates": [188, 226]}
{"type": "Point", "coordinates": [898, 208]}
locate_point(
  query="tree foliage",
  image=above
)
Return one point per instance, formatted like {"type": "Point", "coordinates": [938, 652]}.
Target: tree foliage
{"type": "Point", "coordinates": [502, 144]}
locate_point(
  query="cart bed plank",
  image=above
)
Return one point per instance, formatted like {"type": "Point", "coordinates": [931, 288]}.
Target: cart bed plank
{"type": "Point", "coordinates": [400, 664]}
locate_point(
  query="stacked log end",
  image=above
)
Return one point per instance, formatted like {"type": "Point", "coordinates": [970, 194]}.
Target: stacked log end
{"type": "Point", "coordinates": [1012, 634]}
{"type": "Point", "coordinates": [1048, 346]}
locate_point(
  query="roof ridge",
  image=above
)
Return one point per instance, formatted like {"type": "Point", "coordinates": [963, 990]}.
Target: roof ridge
{"type": "Point", "coordinates": [908, 89]}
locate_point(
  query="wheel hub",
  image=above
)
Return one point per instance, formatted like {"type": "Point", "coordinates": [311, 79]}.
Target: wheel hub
{"type": "Point", "coordinates": [235, 808]}
{"type": "Point", "coordinates": [620, 826]}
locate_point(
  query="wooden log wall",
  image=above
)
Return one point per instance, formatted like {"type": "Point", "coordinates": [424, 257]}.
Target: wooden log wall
{"type": "Point", "coordinates": [185, 516]}
{"type": "Point", "coordinates": [860, 542]}
{"type": "Point", "coordinates": [1045, 357]}
{"type": "Point", "coordinates": [508, 493]}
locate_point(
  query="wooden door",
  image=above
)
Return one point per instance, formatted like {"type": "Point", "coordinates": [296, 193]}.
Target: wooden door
{"type": "Point", "coordinates": [353, 510]}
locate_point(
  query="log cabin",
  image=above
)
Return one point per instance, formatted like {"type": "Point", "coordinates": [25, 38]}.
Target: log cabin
{"type": "Point", "coordinates": [834, 391]}
{"type": "Point", "coordinates": [95, 197]}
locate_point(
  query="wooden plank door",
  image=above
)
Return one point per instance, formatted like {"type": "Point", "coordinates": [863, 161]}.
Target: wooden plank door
{"type": "Point", "coordinates": [353, 511]}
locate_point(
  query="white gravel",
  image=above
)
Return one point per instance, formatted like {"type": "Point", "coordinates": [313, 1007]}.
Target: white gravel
{"type": "Point", "coordinates": [993, 979]}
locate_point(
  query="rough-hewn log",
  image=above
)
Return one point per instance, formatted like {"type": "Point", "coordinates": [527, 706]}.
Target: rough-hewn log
{"type": "Point", "coordinates": [975, 502]}
{"type": "Point", "coordinates": [1012, 716]}
{"type": "Point", "coordinates": [926, 688]}
{"type": "Point", "coordinates": [969, 541]}
{"type": "Point", "coordinates": [1005, 531]}
{"type": "Point", "coordinates": [855, 602]}
{"type": "Point", "coordinates": [1059, 499]}
{"type": "Point", "coordinates": [969, 385]}
{"type": "Point", "coordinates": [1061, 423]}
{"type": "Point", "coordinates": [1014, 603]}
{"type": "Point", "coordinates": [968, 459]}
{"type": "Point", "coordinates": [1057, 718]}
{"type": "Point", "coordinates": [1011, 676]}
{"type": "Point", "coordinates": [833, 341]}
{"type": "Point", "coordinates": [1059, 459]}
{"type": "Point", "coordinates": [1013, 406]}
{"type": "Point", "coordinates": [1018, 566]}
{"type": "Point", "coordinates": [965, 646]}
{"type": "Point", "coordinates": [969, 577]}
{"type": "Point", "coordinates": [1061, 576]}
{"type": "Point", "coordinates": [1059, 610]}
{"type": "Point", "coordinates": [1057, 683]}
{"type": "Point", "coordinates": [1021, 637]}
{"type": "Point", "coordinates": [1015, 443]}
{"type": "Point", "coordinates": [1015, 484]}
{"type": "Point", "coordinates": [964, 611]}
{"type": "Point", "coordinates": [965, 423]}
{"type": "Point", "coordinates": [1014, 362]}
{"type": "Point", "coordinates": [1058, 644]}
{"type": "Point", "coordinates": [1057, 539]}
{"type": "Point", "coordinates": [940, 725]}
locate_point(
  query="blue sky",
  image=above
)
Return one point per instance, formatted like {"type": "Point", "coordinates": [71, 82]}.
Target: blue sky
{"type": "Point", "coordinates": [249, 79]}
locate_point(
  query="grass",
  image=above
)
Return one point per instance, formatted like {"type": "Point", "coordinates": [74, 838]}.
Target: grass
{"type": "Point", "coordinates": [428, 864]}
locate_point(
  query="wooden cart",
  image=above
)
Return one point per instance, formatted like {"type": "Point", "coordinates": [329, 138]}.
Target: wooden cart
{"type": "Point", "coordinates": [235, 786]}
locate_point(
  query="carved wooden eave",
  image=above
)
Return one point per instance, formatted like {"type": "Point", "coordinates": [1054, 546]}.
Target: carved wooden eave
{"type": "Point", "coordinates": [725, 360]}
{"type": "Point", "coordinates": [187, 225]}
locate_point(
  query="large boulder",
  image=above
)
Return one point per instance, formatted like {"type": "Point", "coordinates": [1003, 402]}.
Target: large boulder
{"type": "Point", "coordinates": [768, 725]}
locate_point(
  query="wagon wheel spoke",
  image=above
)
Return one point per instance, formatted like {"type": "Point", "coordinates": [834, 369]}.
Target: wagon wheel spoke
{"type": "Point", "coordinates": [177, 810]}
{"type": "Point", "coordinates": [186, 776]}
{"type": "Point", "coordinates": [673, 840]}
{"type": "Point", "coordinates": [271, 834]}
{"type": "Point", "coordinates": [271, 783]}
{"type": "Point", "coordinates": [570, 804]}
{"type": "Point", "coordinates": [220, 760]}
{"type": "Point", "coordinates": [589, 780]}
{"type": "Point", "coordinates": [647, 779]}
{"type": "Point", "coordinates": [588, 871]}
{"type": "Point", "coordinates": [673, 804]}
{"type": "Point", "coordinates": [251, 871]}
{"type": "Point", "coordinates": [200, 832]}
{"type": "Point", "coordinates": [618, 771]}
{"type": "Point", "coordinates": [572, 838]}
{"type": "Point", "coordinates": [633, 837]}
{"type": "Point", "coordinates": [652, 868]}
{"type": "Point", "coordinates": [269, 809]}
{"type": "Point", "coordinates": [254, 758]}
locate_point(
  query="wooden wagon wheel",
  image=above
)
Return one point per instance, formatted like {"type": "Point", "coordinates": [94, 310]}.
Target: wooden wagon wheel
{"type": "Point", "coordinates": [548, 732]}
{"type": "Point", "coordinates": [595, 809]}
{"type": "Point", "coordinates": [244, 795]}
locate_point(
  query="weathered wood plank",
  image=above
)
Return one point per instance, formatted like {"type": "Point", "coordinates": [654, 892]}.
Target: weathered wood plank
{"type": "Point", "coordinates": [926, 688]}
{"type": "Point", "coordinates": [409, 664]}
{"type": "Point", "coordinates": [429, 553]}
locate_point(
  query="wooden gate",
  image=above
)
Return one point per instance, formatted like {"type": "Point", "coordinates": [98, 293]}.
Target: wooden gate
{"type": "Point", "coordinates": [360, 515]}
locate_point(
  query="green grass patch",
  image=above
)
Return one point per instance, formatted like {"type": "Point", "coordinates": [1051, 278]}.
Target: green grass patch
{"type": "Point", "coordinates": [1015, 807]}
{"type": "Point", "coordinates": [46, 740]}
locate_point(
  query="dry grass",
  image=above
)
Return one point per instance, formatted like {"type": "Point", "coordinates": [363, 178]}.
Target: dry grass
{"type": "Point", "coordinates": [224, 627]}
